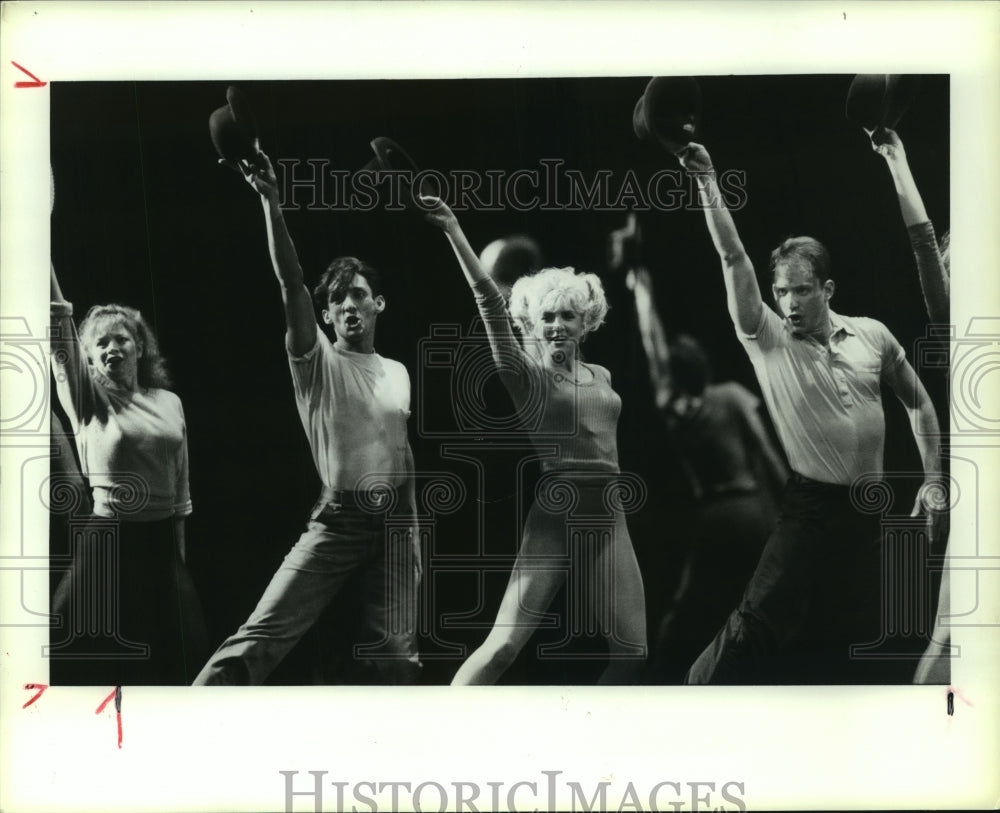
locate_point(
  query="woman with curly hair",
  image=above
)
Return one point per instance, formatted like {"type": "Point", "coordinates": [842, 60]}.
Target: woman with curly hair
{"type": "Point", "coordinates": [575, 529]}
{"type": "Point", "coordinates": [127, 601]}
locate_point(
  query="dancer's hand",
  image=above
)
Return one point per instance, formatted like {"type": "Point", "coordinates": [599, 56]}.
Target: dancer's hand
{"type": "Point", "coordinates": [259, 174]}
{"type": "Point", "coordinates": [438, 213]}
{"type": "Point", "coordinates": [638, 280]}
{"type": "Point", "coordinates": [891, 148]}
{"type": "Point", "coordinates": [695, 158]}
{"type": "Point", "coordinates": [932, 503]}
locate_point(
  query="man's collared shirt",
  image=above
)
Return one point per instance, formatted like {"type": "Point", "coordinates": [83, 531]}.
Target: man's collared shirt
{"type": "Point", "coordinates": [826, 402]}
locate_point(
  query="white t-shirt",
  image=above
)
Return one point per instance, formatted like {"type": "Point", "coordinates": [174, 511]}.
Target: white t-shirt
{"type": "Point", "coordinates": [354, 408]}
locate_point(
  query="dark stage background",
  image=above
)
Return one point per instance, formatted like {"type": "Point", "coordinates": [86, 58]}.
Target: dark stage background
{"type": "Point", "coordinates": [144, 216]}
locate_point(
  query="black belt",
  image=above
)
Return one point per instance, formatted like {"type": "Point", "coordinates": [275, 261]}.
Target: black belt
{"type": "Point", "coordinates": [356, 499]}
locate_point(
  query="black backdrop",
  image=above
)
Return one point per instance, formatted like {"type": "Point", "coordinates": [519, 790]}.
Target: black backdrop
{"type": "Point", "coordinates": [144, 216]}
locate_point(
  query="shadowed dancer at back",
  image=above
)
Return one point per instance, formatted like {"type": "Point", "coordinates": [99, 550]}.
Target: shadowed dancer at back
{"type": "Point", "coordinates": [354, 406]}
{"type": "Point", "coordinates": [820, 374]}
{"type": "Point", "coordinates": [556, 308]}
{"type": "Point", "coordinates": [732, 468]}
{"type": "Point", "coordinates": [127, 588]}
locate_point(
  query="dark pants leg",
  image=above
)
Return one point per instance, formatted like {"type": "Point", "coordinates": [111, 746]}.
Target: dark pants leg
{"type": "Point", "coordinates": [338, 539]}
{"type": "Point", "coordinates": [392, 580]}
{"type": "Point", "coordinates": [129, 612]}
{"type": "Point", "coordinates": [813, 568]}
{"type": "Point", "coordinates": [731, 536]}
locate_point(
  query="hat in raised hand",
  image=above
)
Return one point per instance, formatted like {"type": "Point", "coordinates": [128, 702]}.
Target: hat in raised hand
{"type": "Point", "coordinates": [669, 111]}
{"type": "Point", "coordinates": [876, 101]}
{"type": "Point", "coordinates": [234, 130]}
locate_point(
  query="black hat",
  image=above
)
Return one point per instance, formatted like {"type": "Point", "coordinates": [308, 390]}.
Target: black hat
{"type": "Point", "coordinates": [233, 128]}
{"type": "Point", "coordinates": [510, 258]}
{"type": "Point", "coordinates": [669, 111]}
{"type": "Point", "coordinates": [879, 100]}
{"type": "Point", "coordinates": [390, 157]}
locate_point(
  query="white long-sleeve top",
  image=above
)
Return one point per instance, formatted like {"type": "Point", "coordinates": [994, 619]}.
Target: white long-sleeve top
{"type": "Point", "coordinates": [132, 445]}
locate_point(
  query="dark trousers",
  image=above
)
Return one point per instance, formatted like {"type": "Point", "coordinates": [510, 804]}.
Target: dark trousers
{"type": "Point", "coordinates": [126, 612]}
{"type": "Point", "coordinates": [814, 592]}
{"type": "Point", "coordinates": [732, 531]}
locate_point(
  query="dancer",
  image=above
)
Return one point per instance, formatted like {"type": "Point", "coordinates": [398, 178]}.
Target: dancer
{"type": "Point", "coordinates": [557, 308]}
{"type": "Point", "coordinates": [932, 265]}
{"type": "Point", "coordinates": [733, 470]}
{"type": "Point", "coordinates": [132, 440]}
{"type": "Point", "coordinates": [935, 282]}
{"type": "Point", "coordinates": [820, 374]}
{"type": "Point", "coordinates": [354, 405]}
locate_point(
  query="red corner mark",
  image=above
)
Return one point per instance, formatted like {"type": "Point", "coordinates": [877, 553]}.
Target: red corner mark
{"type": "Point", "coordinates": [38, 83]}
{"type": "Point", "coordinates": [41, 690]}
{"type": "Point", "coordinates": [115, 695]}
{"type": "Point", "coordinates": [107, 700]}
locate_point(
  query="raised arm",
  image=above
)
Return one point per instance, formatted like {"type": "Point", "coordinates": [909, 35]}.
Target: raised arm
{"type": "Point", "coordinates": [742, 291]}
{"type": "Point", "coordinates": [624, 251]}
{"type": "Point", "coordinates": [934, 279]}
{"type": "Point", "coordinates": [653, 335]}
{"type": "Point", "coordinates": [444, 218]}
{"type": "Point", "coordinates": [300, 322]}
{"type": "Point", "coordinates": [74, 385]}
{"type": "Point", "coordinates": [508, 355]}
{"type": "Point", "coordinates": [910, 203]}
{"type": "Point", "coordinates": [55, 292]}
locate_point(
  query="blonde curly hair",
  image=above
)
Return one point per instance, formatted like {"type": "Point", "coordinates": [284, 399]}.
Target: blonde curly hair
{"type": "Point", "coordinates": [551, 287]}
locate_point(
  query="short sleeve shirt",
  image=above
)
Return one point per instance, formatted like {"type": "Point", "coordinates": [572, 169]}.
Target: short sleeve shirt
{"type": "Point", "coordinates": [826, 402]}
{"type": "Point", "coordinates": [354, 408]}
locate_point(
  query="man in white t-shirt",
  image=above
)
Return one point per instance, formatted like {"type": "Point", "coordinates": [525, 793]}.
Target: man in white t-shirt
{"type": "Point", "coordinates": [820, 374]}
{"type": "Point", "coordinates": [354, 405]}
